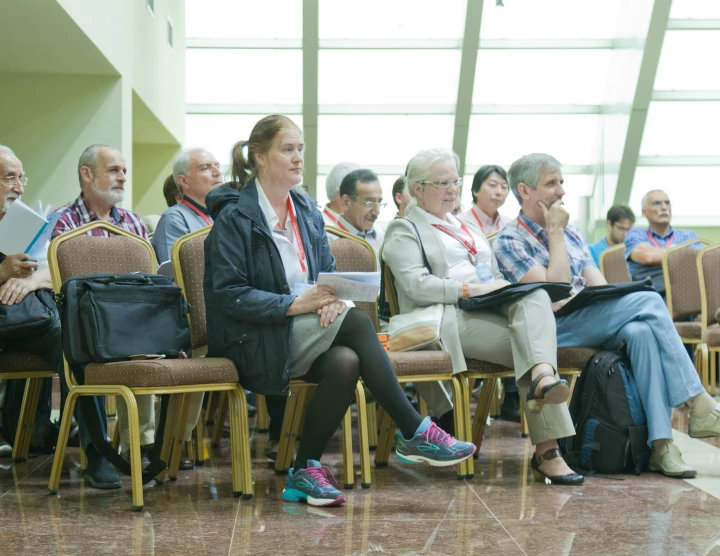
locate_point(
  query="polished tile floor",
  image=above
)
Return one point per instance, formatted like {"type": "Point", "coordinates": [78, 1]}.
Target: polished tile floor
{"type": "Point", "coordinates": [408, 510]}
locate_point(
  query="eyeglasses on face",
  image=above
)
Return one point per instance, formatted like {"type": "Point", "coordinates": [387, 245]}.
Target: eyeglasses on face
{"type": "Point", "coordinates": [371, 203]}
{"type": "Point", "coordinates": [443, 184]}
{"type": "Point", "coordinates": [15, 180]}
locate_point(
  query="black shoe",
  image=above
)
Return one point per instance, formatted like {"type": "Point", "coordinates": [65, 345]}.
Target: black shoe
{"type": "Point", "coordinates": [510, 409]}
{"type": "Point", "coordinates": [146, 453]}
{"type": "Point", "coordinates": [100, 474]}
{"type": "Point", "coordinates": [573, 479]}
{"type": "Point", "coordinates": [446, 422]}
{"type": "Point", "coordinates": [186, 464]}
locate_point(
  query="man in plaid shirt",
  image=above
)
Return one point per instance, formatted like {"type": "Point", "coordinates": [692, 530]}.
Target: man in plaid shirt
{"type": "Point", "coordinates": [540, 245]}
{"type": "Point", "coordinates": [102, 173]}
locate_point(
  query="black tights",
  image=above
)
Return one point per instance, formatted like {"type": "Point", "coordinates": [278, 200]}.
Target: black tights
{"type": "Point", "coordinates": [355, 353]}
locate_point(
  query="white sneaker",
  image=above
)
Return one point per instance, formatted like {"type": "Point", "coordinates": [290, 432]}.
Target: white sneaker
{"type": "Point", "coordinates": [668, 461]}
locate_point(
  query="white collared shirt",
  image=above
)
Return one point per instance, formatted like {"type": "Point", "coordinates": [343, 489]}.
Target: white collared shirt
{"type": "Point", "coordinates": [459, 265]}
{"type": "Point", "coordinates": [284, 240]}
{"type": "Point", "coordinates": [480, 220]}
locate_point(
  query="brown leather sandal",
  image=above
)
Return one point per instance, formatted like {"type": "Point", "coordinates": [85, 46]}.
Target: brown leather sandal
{"type": "Point", "coordinates": [572, 479]}
{"type": "Point", "coordinates": [555, 393]}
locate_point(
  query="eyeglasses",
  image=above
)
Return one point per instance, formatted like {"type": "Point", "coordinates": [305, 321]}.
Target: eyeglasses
{"type": "Point", "coordinates": [371, 203]}
{"type": "Point", "coordinates": [621, 228]}
{"type": "Point", "coordinates": [15, 180]}
{"type": "Point", "coordinates": [444, 184]}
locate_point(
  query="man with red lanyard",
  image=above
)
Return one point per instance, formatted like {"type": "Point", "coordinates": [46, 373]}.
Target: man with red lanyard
{"type": "Point", "coordinates": [540, 245]}
{"type": "Point", "coordinates": [332, 211]}
{"type": "Point", "coordinates": [362, 202]}
{"type": "Point", "coordinates": [196, 173]}
{"type": "Point", "coordinates": [644, 248]}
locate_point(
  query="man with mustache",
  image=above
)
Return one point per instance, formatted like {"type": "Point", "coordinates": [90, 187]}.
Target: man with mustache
{"type": "Point", "coordinates": [541, 246]}
{"type": "Point", "coordinates": [19, 275]}
{"type": "Point", "coordinates": [644, 249]}
{"type": "Point", "coordinates": [102, 174]}
{"type": "Point", "coordinates": [362, 201]}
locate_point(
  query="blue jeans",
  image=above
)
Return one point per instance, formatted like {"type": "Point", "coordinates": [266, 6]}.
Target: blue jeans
{"type": "Point", "coordinates": [640, 322]}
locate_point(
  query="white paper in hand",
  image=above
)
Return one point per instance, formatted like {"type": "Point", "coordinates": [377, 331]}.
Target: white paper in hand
{"type": "Point", "coordinates": [21, 229]}
{"type": "Point", "coordinates": [355, 286]}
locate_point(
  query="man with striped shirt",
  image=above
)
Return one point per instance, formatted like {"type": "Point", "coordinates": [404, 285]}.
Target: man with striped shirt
{"type": "Point", "coordinates": [102, 173]}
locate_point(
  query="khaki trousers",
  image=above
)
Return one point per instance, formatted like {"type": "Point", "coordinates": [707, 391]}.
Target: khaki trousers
{"type": "Point", "coordinates": [146, 415]}
{"type": "Point", "coordinates": [519, 335]}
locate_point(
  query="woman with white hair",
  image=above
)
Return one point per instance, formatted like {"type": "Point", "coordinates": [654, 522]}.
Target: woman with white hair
{"type": "Point", "coordinates": [519, 335]}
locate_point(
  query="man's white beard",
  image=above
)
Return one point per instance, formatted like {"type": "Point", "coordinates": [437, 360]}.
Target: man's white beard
{"type": "Point", "coordinates": [6, 204]}
{"type": "Point", "coordinates": [112, 197]}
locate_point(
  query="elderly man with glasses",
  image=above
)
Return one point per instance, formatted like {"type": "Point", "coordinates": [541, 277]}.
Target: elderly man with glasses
{"type": "Point", "coordinates": [361, 197]}
{"type": "Point", "coordinates": [644, 248]}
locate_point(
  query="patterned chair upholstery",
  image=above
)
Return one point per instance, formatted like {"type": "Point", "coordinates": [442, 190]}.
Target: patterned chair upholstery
{"type": "Point", "coordinates": [613, 265]}
{"type": "Point", "coordinates": [683, 289]}
{"type": "Point", "coordinates": [22, 361]}
{"type": "Point", "coordinates": [75, 253]}
{"type": "Point", "coordinates": [708, 266]}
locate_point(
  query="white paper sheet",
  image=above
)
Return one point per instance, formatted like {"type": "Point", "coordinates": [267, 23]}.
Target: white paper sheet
{"type": "Point", "coordinates": [355, 286]}
{"type": "Point", "coordinates": [22, 228]}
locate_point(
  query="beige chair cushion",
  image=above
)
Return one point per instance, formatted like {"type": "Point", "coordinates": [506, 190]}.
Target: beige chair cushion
{"type": "Point", "coordinates": [478, 366]}
{"type": "Point", "coordinates": [420, 362]}
{"type": "Point", "coordinates": [21, 361]}
{"type": "Point", "coordinates": [690, 330]}
{"type": "Point", "coordinates": [712, 336]}
{"type": "Point", "coordinates": [574, 357]}
{"type": "Point", "coordinates": [162, 372]}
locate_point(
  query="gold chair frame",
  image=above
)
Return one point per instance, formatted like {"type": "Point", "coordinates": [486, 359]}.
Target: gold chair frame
{"type": "Point", "coordinates": [241, 474]}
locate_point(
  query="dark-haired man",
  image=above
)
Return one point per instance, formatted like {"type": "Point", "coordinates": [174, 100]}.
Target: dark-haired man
{"type": "Point", "coordinates": [619, 221]}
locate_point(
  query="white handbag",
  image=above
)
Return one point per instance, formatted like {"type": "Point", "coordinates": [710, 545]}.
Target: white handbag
{"type": "Point", "coordinates": [417, 329]}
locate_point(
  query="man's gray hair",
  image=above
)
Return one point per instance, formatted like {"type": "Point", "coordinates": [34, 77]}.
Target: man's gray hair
{"type": "Point", "coordinates": [7, 150]}
{"type": "Point", "coordinates": [527, 170]}
{"type": "Point", "coordinates": [89, 158]}
{"type": "Point", "coordinates": [336, 176]}
{"type": "Point", "coordinates": [182, 161]}
{"type": "Point", "coordinates": [644, 201]}
{"type": "Point", "coordinates": [419, 165]}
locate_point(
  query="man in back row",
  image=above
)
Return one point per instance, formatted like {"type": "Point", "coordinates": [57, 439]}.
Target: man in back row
{"type": "Point", "coordinates": [539, 246]}
{"type": "Point", "coordinates": [620, 220]}
{"type": "Point", "coordinates": [334, 208]}
{"type": "Point", "coordinates": [102, 174]}
{"type": "Point", "coordinates": [644, 249]}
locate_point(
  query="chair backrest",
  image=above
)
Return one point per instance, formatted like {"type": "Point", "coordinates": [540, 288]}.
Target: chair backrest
{"type": "Point", "coordinates": [613, 265]}
{"type": "Point", "coordinates": [188, 262]}
{"type": "Point", "coordinates": [682, 285]}
{"type": "Point", "coordinates": [354, 254]}
{"type": "Point", "coordinates": [708, 266]}
{"type": "Point", "coordinates": [75, 253]}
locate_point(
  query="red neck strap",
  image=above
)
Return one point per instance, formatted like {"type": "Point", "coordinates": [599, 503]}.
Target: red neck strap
{"type": "Point", "coordinates": [197, 211]}
{"type": "Point", "coordinates": [296, 231]}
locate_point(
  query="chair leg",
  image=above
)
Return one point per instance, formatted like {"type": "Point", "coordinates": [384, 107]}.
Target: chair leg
{"type": "Point", "coordinates": [116, 438]}
{"type": "Point", "coordinates": [262, 419]}
{"type": "Point", "coordinates": [220, 419]}
{"type": "Point", "coordinates": [372, 409]}
{"type": "Point", "coordinates": [461, 396]}
{"type": "Point", "coordinates": [290, 429]}
{"type": "Point", "coordinates": [211, 407]}
{"type": "Point", "coordinates": [135, 460]}
{"type": "Point", "coordinates": [363, 436]}
{"type": "Point", "coordinates": [386, 428]}
{"type": "Point", "coordinates": [199, 443]}
{"type": "Point", "coordinates": [110, 406]}
{"type": "Point", "coordinates": [63, 435]}
{"type": "Point", "coordinates": [83, 460]}
{"type": "Point", "coordinates": [240, 444]}
{"type": "Point", "coordinates": [704, 365]}
{"type": "Point", "coordinates": [524, 430]}
{"type": "Point", "coordinates": [27, 419]}
{"type": "Point", "coordinates": [572, 382]}
{"type": "Point", "coordinates": [422, 407]}
{"type": "Point", "coordinates": [179, 432]}
{"type": "Point", "coordinates": [166, 450]}
{"type": "Point", "coordinates": [483, 410]}
{"type": "Point", "coordinates": [349, 472]}
{"type": "Point", "coordinates": [713, 372]}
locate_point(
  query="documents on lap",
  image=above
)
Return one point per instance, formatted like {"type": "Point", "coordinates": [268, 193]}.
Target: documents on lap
{"type": "Point", "coordinates": [23, 229]}
{"type": "Point", "coordinates": [355, 286]}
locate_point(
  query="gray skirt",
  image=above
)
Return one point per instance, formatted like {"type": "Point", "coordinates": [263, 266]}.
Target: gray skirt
{"type": "Point", "coordinates": [310, 341]}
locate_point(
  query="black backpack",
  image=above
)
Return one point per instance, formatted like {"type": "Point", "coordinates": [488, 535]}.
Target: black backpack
{"type": "Point", "coordinates": [611, 434]}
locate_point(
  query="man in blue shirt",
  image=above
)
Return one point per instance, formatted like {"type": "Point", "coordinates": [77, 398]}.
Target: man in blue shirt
{"type": "Point", "coordinates": [619, 221]}
{"type": "Point", "coordinates": [644, 248]}
{"type": "Point", "coordinates": [539, 246]}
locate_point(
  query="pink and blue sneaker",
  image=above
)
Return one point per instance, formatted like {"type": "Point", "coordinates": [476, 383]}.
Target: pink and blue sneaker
{"type": "Point", "coordinates": [432, 445]}
{"type": "Point", "coordinates": [314, 484]}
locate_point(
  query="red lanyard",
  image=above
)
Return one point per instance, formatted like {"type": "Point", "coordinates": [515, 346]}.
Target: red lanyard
{"type": "Point", "coordinates": [469, 245]}
{"type": "Point", "coordinates": [333, 219]}
{"type": "Point", "coordinates": [530, 231]}
{"type": "Point", "coordinates": [478, 219]}
{"type": "Point", "coordinates": [298, 240]}
{"type": "Point", "coordinates": [654, 241]}
{"type": "Point", "coordinates": [197, 211]}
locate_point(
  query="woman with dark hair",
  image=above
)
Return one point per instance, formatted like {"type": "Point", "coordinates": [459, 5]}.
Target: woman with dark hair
{"type": "Point", "coordinates": [267, 244]}
{"type": "Point", "coordinates": [489, 192]}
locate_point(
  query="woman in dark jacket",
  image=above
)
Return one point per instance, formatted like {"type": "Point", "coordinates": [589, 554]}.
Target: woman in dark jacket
{"type": "Point", "coordinates": [267, 244]}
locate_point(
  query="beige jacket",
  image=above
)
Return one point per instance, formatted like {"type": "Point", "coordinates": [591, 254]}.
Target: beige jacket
{"type": "Point", "coordinates": [416, 287]}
